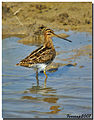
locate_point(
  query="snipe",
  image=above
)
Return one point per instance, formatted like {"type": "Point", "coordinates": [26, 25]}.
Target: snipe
{"type": "Point", "coordinates": [42, 56]}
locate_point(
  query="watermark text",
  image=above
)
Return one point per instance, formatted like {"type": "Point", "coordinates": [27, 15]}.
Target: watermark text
{"type": "Point", "coordinates": [79, 116]}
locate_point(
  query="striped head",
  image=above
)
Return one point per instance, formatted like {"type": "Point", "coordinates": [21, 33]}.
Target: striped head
{"type": "Point", "coordinates": [50, 33]}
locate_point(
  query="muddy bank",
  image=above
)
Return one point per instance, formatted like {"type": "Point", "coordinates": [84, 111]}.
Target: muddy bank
{"type": "Point", "coordinates": [25, 18]}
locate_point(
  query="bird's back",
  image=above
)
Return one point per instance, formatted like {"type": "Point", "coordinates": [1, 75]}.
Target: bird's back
{"type": "Point", "coordinates": [39, 56]}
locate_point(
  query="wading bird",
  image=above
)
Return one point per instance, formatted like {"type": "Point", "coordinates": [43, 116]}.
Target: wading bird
{"type": "Point", "coordinates": [43, 56]}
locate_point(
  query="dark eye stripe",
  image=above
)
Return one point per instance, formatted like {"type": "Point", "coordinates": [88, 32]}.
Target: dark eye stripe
{"type": "Point", "coordinates": [48, 30]}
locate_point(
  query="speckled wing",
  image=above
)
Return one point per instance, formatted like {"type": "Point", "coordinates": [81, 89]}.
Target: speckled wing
{"type": "Point", "coordinates": [40, 55]}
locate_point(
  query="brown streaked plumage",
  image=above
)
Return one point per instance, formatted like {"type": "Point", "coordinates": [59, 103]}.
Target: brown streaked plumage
{"type": "Point", "coordinates": [42, 56]}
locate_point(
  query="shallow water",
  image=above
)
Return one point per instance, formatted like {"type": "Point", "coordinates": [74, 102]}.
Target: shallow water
{"type": "Point", "coordinates": [68, 90]}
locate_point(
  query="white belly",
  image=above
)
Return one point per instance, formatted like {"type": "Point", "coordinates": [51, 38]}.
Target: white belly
{"type": "Point", "coordinates": [40, 67]}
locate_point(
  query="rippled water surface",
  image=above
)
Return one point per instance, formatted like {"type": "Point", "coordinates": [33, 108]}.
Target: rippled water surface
{"type": "Point", "coordinates": [68, 89]}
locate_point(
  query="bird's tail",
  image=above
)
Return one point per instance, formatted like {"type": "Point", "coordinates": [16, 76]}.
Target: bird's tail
{"type": "Point", "coordinates": [24, 64]}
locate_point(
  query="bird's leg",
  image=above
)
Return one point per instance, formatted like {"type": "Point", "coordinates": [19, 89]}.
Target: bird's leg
{"type": "Point", "coordinates": [45, 78]}
{"type": "Point", "coordinates": [37, 77]}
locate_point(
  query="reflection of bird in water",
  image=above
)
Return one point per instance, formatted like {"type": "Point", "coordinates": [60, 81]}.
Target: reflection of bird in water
{"type": "Point", "coordinates": [42, 56]}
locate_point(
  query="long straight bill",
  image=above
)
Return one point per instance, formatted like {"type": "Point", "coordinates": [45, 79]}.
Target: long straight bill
{"type": "Point", "coordinates": [63, 38]}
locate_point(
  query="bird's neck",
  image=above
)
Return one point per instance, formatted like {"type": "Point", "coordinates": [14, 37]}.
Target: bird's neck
{"type": "Point", "coordinates": [48, 42]}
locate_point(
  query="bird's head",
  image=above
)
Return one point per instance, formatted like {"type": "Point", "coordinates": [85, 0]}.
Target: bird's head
{"type": "Point", "coordinates": [50, 33]}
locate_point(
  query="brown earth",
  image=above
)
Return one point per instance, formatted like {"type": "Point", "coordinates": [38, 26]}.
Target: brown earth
{"type": "Point", "coordinates": [24, 18]}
